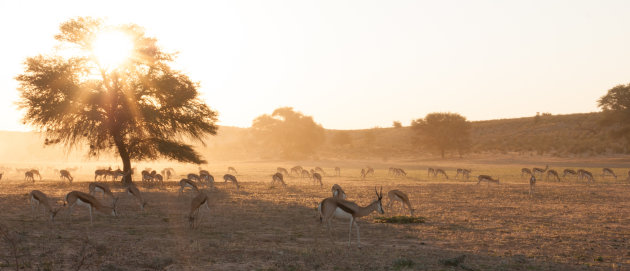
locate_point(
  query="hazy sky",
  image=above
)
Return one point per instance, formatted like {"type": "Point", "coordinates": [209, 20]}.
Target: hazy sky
{"type": "Point", "coordinates": [359, 64]}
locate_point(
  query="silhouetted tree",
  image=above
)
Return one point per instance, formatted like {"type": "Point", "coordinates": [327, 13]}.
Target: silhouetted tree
{"type": "Point", "coordinates": [397, 124]}
{"type": "Point", "coordinates": [616, 111]}
{"type": "Point", "coordinates": [443, 131]}
{"type": "Point", "coordinates": [293, 133]}
{"type": "Point", "coordinates": [142, 109]}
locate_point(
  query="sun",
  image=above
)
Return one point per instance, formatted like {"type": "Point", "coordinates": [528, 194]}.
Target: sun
{"type": "Point", "coordinates": [112, 48]}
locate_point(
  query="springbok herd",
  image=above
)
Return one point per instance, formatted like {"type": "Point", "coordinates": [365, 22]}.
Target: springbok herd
{"type": "Point", "coordinates": [335, 206]}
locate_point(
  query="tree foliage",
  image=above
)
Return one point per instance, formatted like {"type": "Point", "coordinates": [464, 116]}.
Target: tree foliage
{"type": "Point", "coordinates": [616, 111]}
{"type": "Point", "coordinates": [443, 132]}
{"type": "Point", "coordinates": [141, 109]}
{"type": "Point", "coordinates": [292, 133]}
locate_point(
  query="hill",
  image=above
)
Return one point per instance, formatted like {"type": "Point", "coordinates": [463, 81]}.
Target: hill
{"type": "Point", "coordinates": [558, 135]}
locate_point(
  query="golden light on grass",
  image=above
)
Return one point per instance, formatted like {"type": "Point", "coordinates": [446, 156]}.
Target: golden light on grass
{"type": "Point", "coordinates": [112, 48]}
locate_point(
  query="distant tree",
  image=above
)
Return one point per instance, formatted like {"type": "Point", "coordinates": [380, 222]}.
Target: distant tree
{"type": "Point", "coordinates": [140, 108]}
{"type": "Point", "coordinates": [341, 138]}
{"type": "Point", "coordinates": [293, 133]}
{"type": "Point", "coordinates": [616, 111]}
{"type": "Point", "coordinates": [397, 124]}
{"type": "Point", "coordinates": [442, 132]}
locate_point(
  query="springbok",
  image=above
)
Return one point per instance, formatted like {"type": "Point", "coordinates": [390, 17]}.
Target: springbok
{"type": "Point", "coordinates": [278, 178]}
{"type": "Point", "coordinates": [39, 198]}
{"type": "Point", "coordinates": [76, 197]}
{"type": "Point", "coordinates": [397, 195]}
{"type": "Point", "coordinates": [340, 208]}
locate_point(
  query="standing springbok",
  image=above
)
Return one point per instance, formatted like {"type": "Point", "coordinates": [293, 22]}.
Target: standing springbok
{"type": "Point", "coordinates": [441, 171]}
{"type": "Point", "coordinates": [340, 208]}
{"type": "Point", "coordinates": [87, 200]}
{"type": "Point", "coordinates": [431, 172]}
{"type": "Point", "coordinates": [28, 176]}
{"type": "Point", "coordinates": [282, 171]}
{"type": "Point", "coordinates": [532, 184]}
{"type": "Point", "coordinates": [232, 170]}
{"type": "Point", "coordinates": [195, 205]}
{"type": "Point", "coordinates": [231, 178]}
{"type": "Point", "coordinates": [397, 195]}
{"type": "Point", "coordinates": [337, 171]}
{"type": "Point", "coordinates": [338, 192]}
{"type": "Point", "coordinates": [39, 198]}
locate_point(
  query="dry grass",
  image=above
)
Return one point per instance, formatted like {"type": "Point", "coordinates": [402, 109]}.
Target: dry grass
{"type": "Point", "coordinates": [565, 225]}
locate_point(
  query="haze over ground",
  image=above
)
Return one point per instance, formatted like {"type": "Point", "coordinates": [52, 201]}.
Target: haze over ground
{"type": "Point", "coordinates": [360, 64]}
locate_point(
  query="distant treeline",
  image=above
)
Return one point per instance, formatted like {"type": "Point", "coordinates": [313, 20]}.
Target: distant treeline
{"type": "Point", "coordinates": [544, 134]}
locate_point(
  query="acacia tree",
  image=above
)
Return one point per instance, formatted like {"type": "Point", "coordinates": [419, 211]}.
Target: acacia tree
{"type": "Point", "coordinates": [442, 132]}
{"type": "Point", "coordinates": [140, 108]}
{"type": "Point", "coordinates": [616, 111]}
{"type": "Point", "coordinates": [293, 133]}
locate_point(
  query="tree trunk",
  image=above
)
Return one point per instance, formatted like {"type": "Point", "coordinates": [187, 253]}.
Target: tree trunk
{"type": "Point", "coordinates": [124, 156]}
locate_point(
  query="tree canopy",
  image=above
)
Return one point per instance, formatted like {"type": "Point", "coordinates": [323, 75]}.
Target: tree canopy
{"type": "Point", "coordinates": [616, 111]}
{"type": "Point", "coordinates": [292, 133]}
{"type": "Point", "coordinates": [141, 108]}
{"type": "Point", "coordinates": [442, 132]}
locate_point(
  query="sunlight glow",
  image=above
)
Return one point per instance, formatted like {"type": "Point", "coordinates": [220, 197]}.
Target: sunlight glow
{"type": "Point", "coordinates": [112, 48]}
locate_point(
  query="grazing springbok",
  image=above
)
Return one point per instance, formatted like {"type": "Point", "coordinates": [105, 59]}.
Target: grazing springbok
{"type": "Point", "coordinates": [195, 205]}
{"type": "Point", "coordinates": [305, 174]}
{"type": "Point", "coordinates": [488, 179]}
{"type": "Point", "coordinates": [369, 171]}
{"type": "Point", "coordinates": [206, 177]}
{"type": "Point", "coordinates": [39, 198]}
{"type": "Point", "coordinates": [362, 173]}
{"type": "Point", "coordinates": [340, 208]}
{"type": "Point", "coordinates": [532, 184]}
{"type": "Point", "coordinates": [431, 172]}
{"type": "Point", "coordinates": [135, 192]}
{"type": "Point", "coordinates": [320, 170]}
{"type": "Point", "coordinates": [231, 178]}
{"type": "Point", "coordinates": [539, 170]}
{"type": "Point", "coordinates": [102, 188]}
{"type": "Point", "coordinates": [278, 178]}
{"type": "Point", "coordinates": [317, 178]}
{"type": "Point", "coordinates": [397, 195]}
{"type": "Point", "coordinates": [28, 176]}
{"type": "Point", "coordinates": [76, 197]}
{"type": "Point", "coordinates": [102, 174]}
{"type": "Point", "coordinates": [338, 192]}
{"type": "Point", "coordinates": [187, 183]}
{"type": "Point", "coordinates": [337, 171]}
{"type": "Point", "coordinates": [607, 171]}
{"type": "Point", "coordinates": [297, 170]}
{"type": "Point", "coordinates": [553, 174]}
{"type": "Point", "coordinates": [282, 171]}
{"type": "Point", "coordinates": [588, 176]}
{"type": "Point", "coordinates": [568, 172]}
{"type": "Point", "coordinates": [65, 174]}
{"type": "Point", "coordinates": [441, 171]}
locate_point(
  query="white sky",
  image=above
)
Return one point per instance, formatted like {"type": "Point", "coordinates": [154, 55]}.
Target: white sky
{"type": "Point", "coordinates": [359, 64]}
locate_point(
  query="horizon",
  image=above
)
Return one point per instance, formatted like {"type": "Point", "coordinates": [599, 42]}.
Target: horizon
{"type": "Point", "coordinates": [361, 64]}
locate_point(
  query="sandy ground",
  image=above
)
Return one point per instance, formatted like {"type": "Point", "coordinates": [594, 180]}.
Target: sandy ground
{"type": "Point", "coordinates": [566, 225]}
